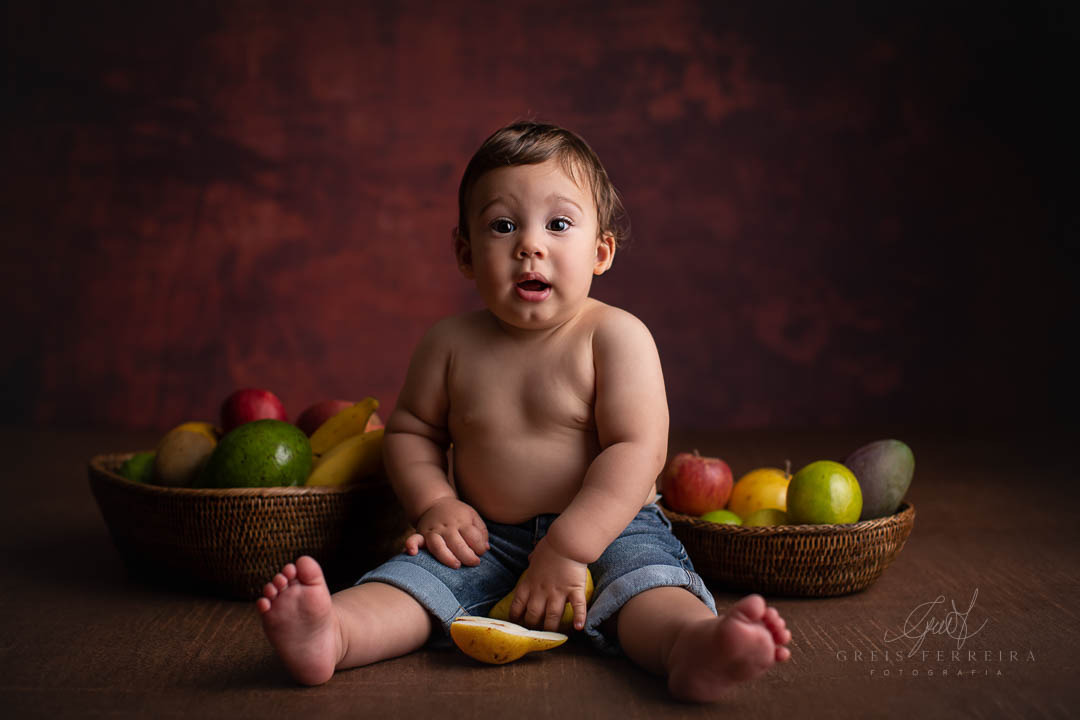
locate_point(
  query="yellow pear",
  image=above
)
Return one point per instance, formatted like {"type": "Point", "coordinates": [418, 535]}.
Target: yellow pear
{"type": "Point", "coordinates": [497, 642]}
{"type": "Point", "coordinates": [203, 428]}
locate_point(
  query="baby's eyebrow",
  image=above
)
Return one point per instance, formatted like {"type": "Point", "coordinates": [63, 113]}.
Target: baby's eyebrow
{"type": "Point", "coordinates": [554, 197]}
{"type": "Point", "coordinates": [563, 198]}
{"type": "Point", "coordinates": [492, 201]}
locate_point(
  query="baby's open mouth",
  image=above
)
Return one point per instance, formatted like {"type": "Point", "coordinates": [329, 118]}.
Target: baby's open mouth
{"type": "Point", "coordinates": [533, 285]}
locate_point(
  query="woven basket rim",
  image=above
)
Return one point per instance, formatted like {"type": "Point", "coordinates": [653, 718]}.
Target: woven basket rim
{"type": "Point", "coordinates": [102, 464]}
{"type": "Point", "coordinates": [905, 514]}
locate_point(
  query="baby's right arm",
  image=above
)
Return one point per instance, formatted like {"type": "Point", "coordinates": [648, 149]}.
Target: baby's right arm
{"type": "Point", "coordinates": [414, 450]}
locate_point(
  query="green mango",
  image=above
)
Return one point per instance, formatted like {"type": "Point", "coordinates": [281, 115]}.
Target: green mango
{"type": "Point", "coordinates": [263, 453]}
{"type": "Point", "coordinates": [884, 469]}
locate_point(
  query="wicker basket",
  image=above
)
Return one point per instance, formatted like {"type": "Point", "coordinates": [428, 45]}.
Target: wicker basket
{"type": "Point", "coordinates": [231, 542]}
{"type": "Point", "coordinates": [799, 560]}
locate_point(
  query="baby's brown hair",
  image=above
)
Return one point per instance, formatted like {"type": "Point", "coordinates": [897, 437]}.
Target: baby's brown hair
{"type": "Point", "coordinates": [531, 143]}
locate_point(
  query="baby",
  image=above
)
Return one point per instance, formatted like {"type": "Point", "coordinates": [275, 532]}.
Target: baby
{"type": "Point", "coordinates": [555, 407]}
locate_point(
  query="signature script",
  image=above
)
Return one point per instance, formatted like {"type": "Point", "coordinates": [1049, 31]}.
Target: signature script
{"type": "Point", "coordinates": [921, 622]}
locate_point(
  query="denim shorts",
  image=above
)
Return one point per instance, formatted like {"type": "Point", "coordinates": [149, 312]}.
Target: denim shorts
{"type": "Point", "coordinates": [646, 555]}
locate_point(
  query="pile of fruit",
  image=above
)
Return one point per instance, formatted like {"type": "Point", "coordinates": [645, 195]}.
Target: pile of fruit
{"type": "Point", "coordinates": [332, 443]}
{"type": "Point", "coordinates": [870, 483]}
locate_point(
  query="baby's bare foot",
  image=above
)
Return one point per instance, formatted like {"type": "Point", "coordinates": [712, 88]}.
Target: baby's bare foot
{"type": "Point", "coordinates": [299, 620]}
{"type": "Point", "coordinates": [708, 658]}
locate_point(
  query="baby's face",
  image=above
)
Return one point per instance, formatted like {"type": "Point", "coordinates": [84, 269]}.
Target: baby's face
{"type": "Point", "coordinates": [534, 244]}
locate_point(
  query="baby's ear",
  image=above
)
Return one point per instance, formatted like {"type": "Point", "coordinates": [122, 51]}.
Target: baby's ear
{"type": "Point", "coordinates": [605, 254]}
{"type": "Point", "coordinates": [463, 252]}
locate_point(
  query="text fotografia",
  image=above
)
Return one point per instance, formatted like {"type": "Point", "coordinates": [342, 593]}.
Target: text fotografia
{"type": "Point", "coordinates": [965, 663]}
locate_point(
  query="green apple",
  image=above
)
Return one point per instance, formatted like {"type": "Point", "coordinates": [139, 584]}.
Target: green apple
{"type": "Point", "coordinates": [723, 517]}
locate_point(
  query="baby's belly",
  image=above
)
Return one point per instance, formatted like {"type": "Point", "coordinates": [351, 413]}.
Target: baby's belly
{"type": "Point", "coordinates": [517, 478]}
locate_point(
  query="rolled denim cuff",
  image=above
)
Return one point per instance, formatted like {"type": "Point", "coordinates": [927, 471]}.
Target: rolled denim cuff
{"type": "Point", "coordinates": [424, 587]}
{"type": "Point", "coordinates": [638, 581]}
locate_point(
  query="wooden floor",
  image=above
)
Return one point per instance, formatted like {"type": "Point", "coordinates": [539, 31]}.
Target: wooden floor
{"type": "Point", "coordinates": [996, 535]}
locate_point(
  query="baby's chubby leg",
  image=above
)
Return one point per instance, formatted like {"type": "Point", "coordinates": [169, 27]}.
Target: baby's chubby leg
{"type": "Point", "coordinates": [316, 633]}
{"type": "Point", "coordinates": [669, 631]}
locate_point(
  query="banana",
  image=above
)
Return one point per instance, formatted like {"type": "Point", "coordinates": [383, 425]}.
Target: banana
{"type": "Point", "coordinates": [352, 459]}
{"type": "Point", "coordinates": [347, 423]}
{"type": "Point", "coordinates": [498, 642]}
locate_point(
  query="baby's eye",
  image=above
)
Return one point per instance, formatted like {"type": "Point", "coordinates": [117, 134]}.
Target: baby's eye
{"type": "Point", "coordinates": [502, 226]}
{"type": "Point", "coordinates": [559, 224]}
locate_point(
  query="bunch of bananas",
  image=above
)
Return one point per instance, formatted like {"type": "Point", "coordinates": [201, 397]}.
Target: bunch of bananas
{"type": "Point", "coordinates": [344, 450]}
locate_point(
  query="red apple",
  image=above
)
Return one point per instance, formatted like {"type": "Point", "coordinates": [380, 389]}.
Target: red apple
{"type": "Point", "coordinates": [315, 415]}
{"type": "Point", "coordinates": [695, 485]}
{"type": "Point", "coordinates": [249, 404]}
{"type": "Point", "coordinates": [310, 420]}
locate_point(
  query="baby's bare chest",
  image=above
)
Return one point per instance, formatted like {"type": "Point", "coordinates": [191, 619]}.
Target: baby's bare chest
{"type": "Point", "coordinates": [520, 391]}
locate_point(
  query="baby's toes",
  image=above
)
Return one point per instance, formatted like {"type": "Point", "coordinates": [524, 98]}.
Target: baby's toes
{"type": "Point", "coordinates": [264, 603]}
{"type": "Point", "coordinates": [751, 607]}
{"type": "Point", "coordinates": [782, 654]}
{"type": "Point", "coordinates": [280, 581]}
{"type": "Point", "coordinates": [777, 627]}
{"type": "Point", "coordinates": [270, 591]}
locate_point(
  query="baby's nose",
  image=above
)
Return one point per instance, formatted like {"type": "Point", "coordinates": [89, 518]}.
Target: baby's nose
{"type": "Point", "coordinates": [528, 247]}
{"type": "Point", "coordinates": [530, 243]}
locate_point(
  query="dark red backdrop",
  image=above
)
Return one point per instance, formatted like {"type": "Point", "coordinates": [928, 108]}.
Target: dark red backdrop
{"type": "Point", "coordinates": [840, 215]}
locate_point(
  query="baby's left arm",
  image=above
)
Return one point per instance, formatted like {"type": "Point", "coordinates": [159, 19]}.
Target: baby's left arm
{"type": "Point", "coordinates": [632, 424]}
{"type": "Point", "coordinates": [631, 415]}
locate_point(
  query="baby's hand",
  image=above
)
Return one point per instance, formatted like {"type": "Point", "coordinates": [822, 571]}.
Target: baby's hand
{"type": "Point", "coordinates": [452, 531]}
{"type": "Point", "coordinates": [542, 593]}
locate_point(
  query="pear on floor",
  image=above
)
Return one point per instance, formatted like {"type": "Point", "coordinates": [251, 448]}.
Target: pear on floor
{"type": "Point", "coordinates": [497, 642]}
